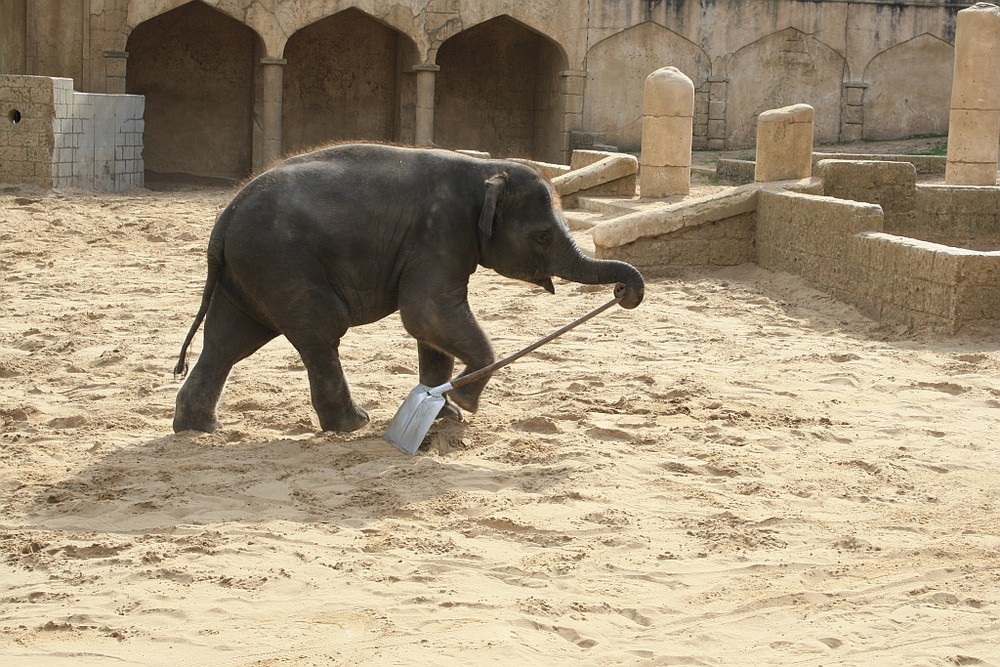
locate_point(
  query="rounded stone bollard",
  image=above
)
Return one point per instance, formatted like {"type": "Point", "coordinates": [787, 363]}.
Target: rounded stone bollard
{"type": "Point", "coordinates": [784, 144]}
{"type": "Point", "coordinates": [667, 124]}
{"type": "Point", "coordinates": [974, 121]}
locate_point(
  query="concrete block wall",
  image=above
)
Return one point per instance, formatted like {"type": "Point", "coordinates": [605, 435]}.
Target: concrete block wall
{"type": "Point", "coordinates": [889, 184]}
{"type": "Point", "coordinates": [929, 284]}
{"type": "Point", "coordinates": [955, 215]}
{"type": "Point", "coordinates": [840, 245]}
{"type": "Point", "coordinates": [725, 242]}
{"type": "Point", "coordinates": [905, 280]}
{"type": "Point", "coordinates": [70, 139]}
{"type": "Point", "coordinates": [977, 290]}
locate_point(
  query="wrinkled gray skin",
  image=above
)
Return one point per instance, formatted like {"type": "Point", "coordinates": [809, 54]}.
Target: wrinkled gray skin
{"type": "Point", "coordinates": [346, 235]}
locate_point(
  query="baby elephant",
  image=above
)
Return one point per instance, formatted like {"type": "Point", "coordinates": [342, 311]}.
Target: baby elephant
{"type": "Point", "coordinates": [346, 235]}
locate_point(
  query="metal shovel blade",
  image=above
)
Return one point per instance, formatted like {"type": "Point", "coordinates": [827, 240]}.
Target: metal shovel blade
{"type": "Point", "coordinates": [414, 418]}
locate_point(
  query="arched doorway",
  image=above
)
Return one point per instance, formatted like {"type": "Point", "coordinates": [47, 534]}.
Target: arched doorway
{"type": "Point", "coordinates": [195, 67]}
{"type": "Point", "coordinates": [499, 91]}
{"type": "Point", "coordinates": [344, 80]}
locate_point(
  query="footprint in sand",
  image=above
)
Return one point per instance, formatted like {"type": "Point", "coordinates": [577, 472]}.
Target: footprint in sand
{"type": "Point", "coordinates": [946, 387]}
{"type": "Point", "coordinates": [610, 434]}
{"type": "Point", "coordinates": [541, 425]}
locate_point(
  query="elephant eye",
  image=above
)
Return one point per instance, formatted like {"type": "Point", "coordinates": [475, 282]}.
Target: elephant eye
{"type": "Point", "coordinates": [543, 237]}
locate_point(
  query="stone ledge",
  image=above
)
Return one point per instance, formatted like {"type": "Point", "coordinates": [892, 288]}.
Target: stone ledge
{"type": "Point", "coordinates": [673, 217]}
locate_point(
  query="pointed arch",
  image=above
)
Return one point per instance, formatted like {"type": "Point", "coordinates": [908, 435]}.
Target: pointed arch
{"type": "Point", "coordinates": [500, 90]}
{"type": "Point", "coordinates": [783, 68]}
{"type": "Point", "coordinates": [348, 77]}
{"type": "Point", "coordinates": [909, 89]}
{"type": "Point", "coordinates": [195, 66]}
{"type": "Point", "coordinates": [617, 68]}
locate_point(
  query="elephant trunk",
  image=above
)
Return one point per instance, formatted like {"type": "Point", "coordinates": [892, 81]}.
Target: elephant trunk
{"type": "Point", "coordinates": [583, 269]}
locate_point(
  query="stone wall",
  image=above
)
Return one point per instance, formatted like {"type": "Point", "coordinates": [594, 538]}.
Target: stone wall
{"type": "Point", "coordinates": [960, 216]}
{"type": "Point", "coordinates": [512, 77]}
{"type": "Point", "coordinates": [26, 130]}
{"type": "Point", "coordinates": [810, 236]}
{"type": "Point", "coordinates": [56, 137]}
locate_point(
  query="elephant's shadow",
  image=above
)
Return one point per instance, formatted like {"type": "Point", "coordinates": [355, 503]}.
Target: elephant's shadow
{"type": "Point", "coordinates": [187, 479]}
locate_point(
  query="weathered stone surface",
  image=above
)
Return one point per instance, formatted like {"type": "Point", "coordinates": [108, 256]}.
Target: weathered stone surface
{"type": "Point", "coordinates": [974, 123]}
{"type": "Point", "coordinates": [890, 184]}
{"type": "Point", "coordinates": [672, 217]}
{"type": "Point", "coordinates": [784, 143]}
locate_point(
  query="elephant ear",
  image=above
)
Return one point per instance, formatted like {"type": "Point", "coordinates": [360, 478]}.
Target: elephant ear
{"type": "Point", "coordinates": [495, 188]}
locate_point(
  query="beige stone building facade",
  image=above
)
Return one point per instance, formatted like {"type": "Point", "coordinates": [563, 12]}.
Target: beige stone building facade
{"type": "Point", "coordinates": [231, 85]}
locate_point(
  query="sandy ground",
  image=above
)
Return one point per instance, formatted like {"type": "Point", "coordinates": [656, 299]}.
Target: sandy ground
{"type": "Point", "coordinates": [740, 471]}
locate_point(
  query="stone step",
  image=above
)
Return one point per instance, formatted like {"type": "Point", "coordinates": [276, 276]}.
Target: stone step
{"type": "Point", "coordinates": [611, 207]}
{"type": "Point", "coordinates": [578, 220]}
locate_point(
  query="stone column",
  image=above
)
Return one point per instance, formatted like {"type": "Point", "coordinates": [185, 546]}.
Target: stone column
{"type": "Point", "coordinates": [667, 123]}
{"type": "Point", "coordinates": [424, 131]}
{"type": "Point", "coordinates": [271, 90]}
{"type": "Point", "coordinates": [115, 64]}
{"type": "Point", "coordinates": [784, 144]}
{"type": "Point", "coordinates": [974, 122]}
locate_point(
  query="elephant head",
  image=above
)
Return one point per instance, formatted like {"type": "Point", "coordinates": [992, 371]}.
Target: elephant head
{"type": "Point", "coordinates": [523, 235]}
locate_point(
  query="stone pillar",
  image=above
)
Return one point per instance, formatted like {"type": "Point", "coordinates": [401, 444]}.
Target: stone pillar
{"type": "Point", "coordinates": [271, 91]}
{"type": "Point", "coordinates": [784, 144]}
{"type": "Point", "coordinates": [115, 64]}
{"type": "Point", "coordinates": [667, 122]}
{"type": "Point", "coordinates": [974, 122]}
{"type": "Point", "coordinates": [424, 131]}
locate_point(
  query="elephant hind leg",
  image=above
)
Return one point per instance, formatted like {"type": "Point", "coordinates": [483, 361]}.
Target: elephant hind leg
{"type": "Point", "coordinates": [314, 322]}
{"type": "Point", "coordinates": [331, 397]}
{"type": "Point", "coordinates": [230, 336]}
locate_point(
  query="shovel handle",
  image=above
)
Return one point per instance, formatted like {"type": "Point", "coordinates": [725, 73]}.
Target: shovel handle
{"type": "Point", "coordinates": [485, 371]}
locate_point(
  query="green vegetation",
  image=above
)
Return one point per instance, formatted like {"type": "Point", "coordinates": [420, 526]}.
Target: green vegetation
{"type": "Point", "coordinates": [940, 148]}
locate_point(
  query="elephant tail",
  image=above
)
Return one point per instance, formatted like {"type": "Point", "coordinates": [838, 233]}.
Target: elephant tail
{"type": "Point", "coordinates": [215, 265]}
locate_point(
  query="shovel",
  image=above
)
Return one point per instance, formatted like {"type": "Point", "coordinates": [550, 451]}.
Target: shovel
{"type": "Point", "coordinates": [414, 418]}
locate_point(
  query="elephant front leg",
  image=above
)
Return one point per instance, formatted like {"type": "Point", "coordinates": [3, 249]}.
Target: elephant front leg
{"type": "Point", "coordinates": [436, 368]}
{"type": "Point", "coordinates": [452, 331]}
{"type": "Point", "coordinates": [331, 397]}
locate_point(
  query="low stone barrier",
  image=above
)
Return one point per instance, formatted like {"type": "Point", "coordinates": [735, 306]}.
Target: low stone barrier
{"type": "Point", "coordinates": [613, 175]}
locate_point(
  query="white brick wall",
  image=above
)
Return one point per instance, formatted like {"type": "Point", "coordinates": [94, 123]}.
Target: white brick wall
{"type": "Point", "coordinates": [98, 139]}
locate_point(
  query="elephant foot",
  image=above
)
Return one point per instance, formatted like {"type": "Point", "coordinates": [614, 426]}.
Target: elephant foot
{"type": "Point", "coordinates": [345, 422]}
{"type": "Point", "coordinates": [466, 398]}
{"type": "Point", "coordinates": [449, 411]}
{"type": "Point", "coordinates": [182, 423]}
